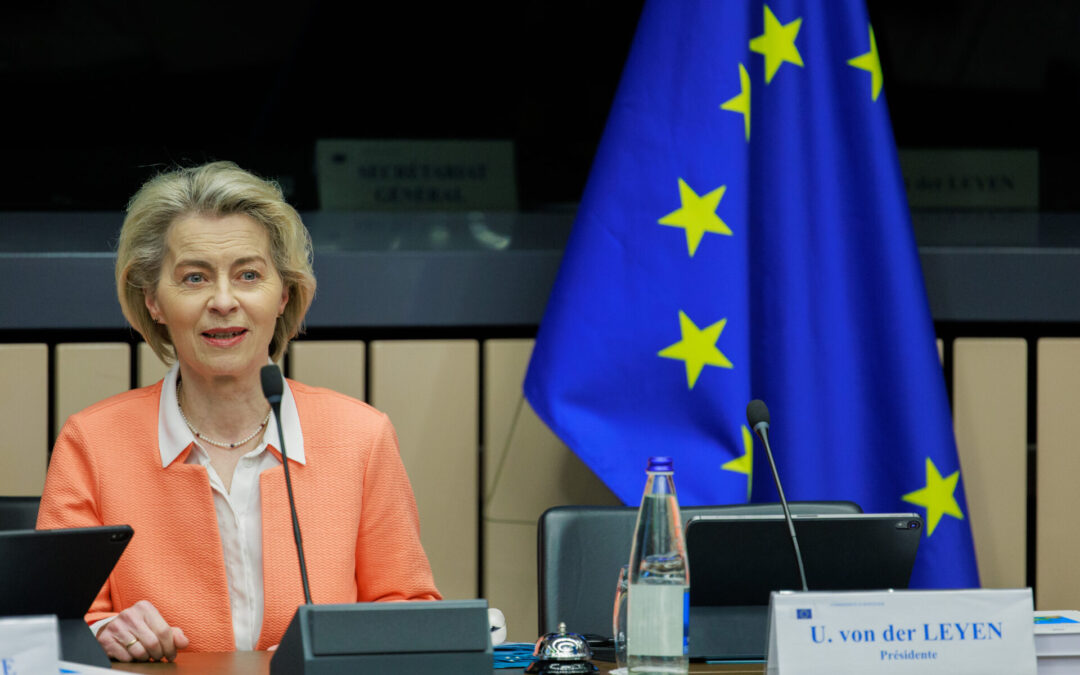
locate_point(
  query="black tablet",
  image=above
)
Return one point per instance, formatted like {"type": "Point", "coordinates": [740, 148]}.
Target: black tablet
{"type": "Point", "coordinates": [60, 572]}
{"type": "Point", "coordinates": [737, 561]}
{"type": "Point", "coordinates": [57, 571]}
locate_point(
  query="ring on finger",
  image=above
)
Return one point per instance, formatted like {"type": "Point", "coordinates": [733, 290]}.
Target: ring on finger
{"type": "Point", "coordinates": [128, 644]}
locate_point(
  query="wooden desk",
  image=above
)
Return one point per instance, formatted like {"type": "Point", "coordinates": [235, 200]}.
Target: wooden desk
{"type": "Point", "coordinates": [258, 663]}
{"type": "Point", "coordinates": [205, 663]}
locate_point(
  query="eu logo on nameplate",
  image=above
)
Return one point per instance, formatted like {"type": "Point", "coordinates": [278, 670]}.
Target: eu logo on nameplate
{"type": "Point", "coordinates": [976, 632]}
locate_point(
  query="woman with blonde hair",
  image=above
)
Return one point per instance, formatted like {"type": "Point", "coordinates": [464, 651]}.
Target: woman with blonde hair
{"type": "Point", "coordinates": [214, 270]}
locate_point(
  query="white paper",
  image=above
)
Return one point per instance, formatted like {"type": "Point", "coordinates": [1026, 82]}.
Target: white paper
{"type": "Point", "coordinates": [29, 645]}
{"type": "Point", "coordinates": [1057, 633]}
{"type": "Point", "coordinates": [976, 632]}
{"type": "Point", "coordinates": [1059, 665]}
{"type": "Point", "coordinates": [1057, 621]}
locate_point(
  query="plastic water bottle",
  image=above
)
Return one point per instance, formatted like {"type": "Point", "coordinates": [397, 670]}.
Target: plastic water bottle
{"type": "Point", "coordinates": [658, 609]}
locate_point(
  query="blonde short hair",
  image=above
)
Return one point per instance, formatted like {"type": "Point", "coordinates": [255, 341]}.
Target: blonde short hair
{"type": "Point", "coordinates": [211, 190]}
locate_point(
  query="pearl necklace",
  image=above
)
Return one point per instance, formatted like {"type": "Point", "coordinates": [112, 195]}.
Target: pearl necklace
{"type": "Point", "coordinates": [209, 440]}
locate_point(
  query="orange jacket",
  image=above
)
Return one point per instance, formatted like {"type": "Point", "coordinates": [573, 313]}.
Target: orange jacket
{"type": "Point", "coordinates": [356, 509]}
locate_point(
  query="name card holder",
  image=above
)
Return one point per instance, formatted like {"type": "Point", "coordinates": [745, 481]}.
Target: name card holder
{"type": "Point", "coordinates": [447, 637]}
{"type": "Point", "coordinates": [976, 632]}
{"type": "Point", "coordinates": [29, 644]}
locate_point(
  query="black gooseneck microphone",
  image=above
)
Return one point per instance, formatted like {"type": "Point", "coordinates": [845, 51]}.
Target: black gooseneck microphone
{"type": "Point", "coordinates": [757, 414]}
{"type": "Point", "coordinates": [273, 387]}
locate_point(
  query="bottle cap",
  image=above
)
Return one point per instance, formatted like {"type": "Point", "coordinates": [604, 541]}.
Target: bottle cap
{"type": "Point", "coordinates": [660, 464]}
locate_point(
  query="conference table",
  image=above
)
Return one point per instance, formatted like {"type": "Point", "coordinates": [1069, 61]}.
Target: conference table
{"type": "Point", "coordinates": [258, 663]}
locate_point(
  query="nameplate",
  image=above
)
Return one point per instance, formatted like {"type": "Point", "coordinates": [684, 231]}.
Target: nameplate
{"type": "Point", "coordinates": [29, 644]}
{"type": "Point", "coordinates": [976, 179]}
{"type": "Point", "coordinates": [976, 632]}
{"type": "Point", "coordinates": [415, 175]}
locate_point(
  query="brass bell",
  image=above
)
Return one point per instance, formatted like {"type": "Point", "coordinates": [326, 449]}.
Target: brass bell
{"type": "Point", "coordinates": [562, 653]}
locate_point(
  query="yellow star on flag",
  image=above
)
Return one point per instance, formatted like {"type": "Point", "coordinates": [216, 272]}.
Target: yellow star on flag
{"type": "Point", "coordinates": [741, 102]}
{"type": "Point", "coordinates": [697, 215]}
{"type": "Point", "coordinates": [870, 63]}
{"type": "Point", "coordinates": [744, 464]}
{"type": "Point", "coordinates": [697, 348]}
{"type": "Point", "coordinates": [937, 497]}
{"type": "Point", "coordinates": [777, 44]}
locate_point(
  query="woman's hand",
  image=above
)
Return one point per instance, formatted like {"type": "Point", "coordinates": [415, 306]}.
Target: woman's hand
{"type": "Point", "coordinates": [140, 634]}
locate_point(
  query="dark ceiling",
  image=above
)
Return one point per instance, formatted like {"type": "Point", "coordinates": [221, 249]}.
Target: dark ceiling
{"type": "Point", "coordinates": [100, 93]}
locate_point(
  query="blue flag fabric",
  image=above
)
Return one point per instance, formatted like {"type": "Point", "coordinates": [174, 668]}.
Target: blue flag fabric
{"type": "Point", "coordinates": [744, 234]}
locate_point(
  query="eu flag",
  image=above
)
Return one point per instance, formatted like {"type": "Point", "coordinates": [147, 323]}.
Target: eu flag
{"type": "Point", "coordinates": [744, 234]}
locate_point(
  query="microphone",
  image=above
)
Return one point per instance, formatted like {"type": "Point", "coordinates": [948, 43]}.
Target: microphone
{"type": "Point", "coordinates": [273, 386]}
{"type": "Point", "coordinates": [757, 414]}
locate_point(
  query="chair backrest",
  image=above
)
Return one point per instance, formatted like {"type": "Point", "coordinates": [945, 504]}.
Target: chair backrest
{"type": "Point", "coordinates": [581, 548]}
{"type": "Point", "coordinates": [19, 513]}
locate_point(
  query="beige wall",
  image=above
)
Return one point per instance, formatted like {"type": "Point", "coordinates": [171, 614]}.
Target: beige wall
{"type": "Point", "coordinates": [990, 420]}
{"type": "Point", "coordinates": [1058, 475]}
{"type": "Point", "coordinates": [430, 390]}
{"type": "Point", "coordinates": [484, 467]}
{"type": "Point", "coordinates": [24, 415]}
{"type": "Point", "coordinates": [526, 471]}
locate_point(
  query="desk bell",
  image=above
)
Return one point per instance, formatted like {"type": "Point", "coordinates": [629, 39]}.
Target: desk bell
{"type": "Point", "coordinates": [562, 653]}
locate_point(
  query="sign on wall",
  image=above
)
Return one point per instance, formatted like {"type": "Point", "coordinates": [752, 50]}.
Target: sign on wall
{"type": "Point", "coordinates": [415, 175]}
{"type": "Point", "coordinates": [971, 179]}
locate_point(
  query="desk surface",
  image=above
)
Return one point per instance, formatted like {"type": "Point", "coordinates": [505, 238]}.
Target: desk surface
{"type": "Point", "coordinates": [258, 663]}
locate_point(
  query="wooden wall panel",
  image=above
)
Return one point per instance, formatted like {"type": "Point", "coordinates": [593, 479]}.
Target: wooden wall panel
{"type": "Point", "coordinates": [1058, 474]}
{"type": "Point", "coordinates": [990, 418]}
{"type": "Point", "coordinates": [86, 373]}
{"type": "Point", "coordinates": [150, 368]}
{"type": "Point", "coordinates": [527, 470]}
{"type": "Point", "coordinates": [24, 410]}
{"type": "Point", "coordinates": [334, 364]}
{"type": "Point", "coordinates": [430, 389]}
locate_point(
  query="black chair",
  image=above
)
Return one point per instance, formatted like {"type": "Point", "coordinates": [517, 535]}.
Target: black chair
{"type": "Point", "coordinates": [581, 548]}
{"type": "Point", "coordinates": [19, 513]}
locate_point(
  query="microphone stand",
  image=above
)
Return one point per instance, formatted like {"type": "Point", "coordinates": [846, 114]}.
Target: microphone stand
{"type": "Point", "coordinates": [273, 389]}
{"type": "Point", "coordinates": [758, 416]}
